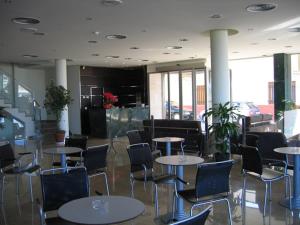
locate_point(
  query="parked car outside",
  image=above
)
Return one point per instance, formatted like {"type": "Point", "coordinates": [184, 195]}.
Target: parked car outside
{"type": "Point", "coordinates": [246, 108]}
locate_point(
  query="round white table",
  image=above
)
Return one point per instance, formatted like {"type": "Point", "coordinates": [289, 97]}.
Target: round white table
{"type": "Point", "coordinates": [109, 210]}
{"type": "Point", "coordinates": [168, 141]}
{"type": "Point", "coordinates": [62, 151]}
{"type": "Point", "coordinates": [295, 151]}
{"type": "Point", "coordinates": [179, 161]}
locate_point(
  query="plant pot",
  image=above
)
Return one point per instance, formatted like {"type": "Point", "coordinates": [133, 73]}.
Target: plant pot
{"type": "Point", "coordinates": [219, 156]}
{"type": "Point", "coordinates": [60, 136]}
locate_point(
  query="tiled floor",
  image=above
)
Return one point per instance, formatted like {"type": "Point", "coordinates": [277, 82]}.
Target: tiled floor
{"type": "Point", "coordinates": [19, 210]}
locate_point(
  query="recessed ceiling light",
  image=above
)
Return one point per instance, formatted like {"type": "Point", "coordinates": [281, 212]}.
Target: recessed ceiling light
{"type": "Point", "coordinates": [134, 48]}
{"type": "Point", "coordinates": [39, 33]}
{"type": "Point", "coordinates": [28, 29]}
{"type": "Point", "coordinates": [260, 7]}
{"type": "Point", "coordinates": [115, 36]}
{"type": "Point", "coordinates": [25, 20]}
{"type": "Point", "coordinates": [183, 39]}
{"type": "Point", "coordinates": [93, 42]}
{"type": "Point", "coordinates": [30, 56]}
{"type": "Point", "coordinates": [88, 18]}
{"type": "Point", "coordinates": [272, 39]}
{"type": "Point", "coordinates": [166, 53]}
{"type": "Point", "coordinates": [111, 2]}
{"type": "Point", "coordinates": [95, 54]}
{"type": "Point", "coordinates": [215, 16]}
{"type": "Point", "coordinates": [235, 52]}
{"type": "Point", "coordinates": [112, 57]}
{"type": "Point", "coordinates": [294, 29]}
{"type": "Point", "coordinates": [173, 47]}
{"type": "Point", "coordinates": [288, 46]}
{"type": "Point", "coordinates": [96, 32]}
{"type": "Point", "coordinates": [128, 58]}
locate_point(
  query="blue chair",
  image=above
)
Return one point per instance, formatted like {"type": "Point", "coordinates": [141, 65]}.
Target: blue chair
{"type": "Point", "coordinates": [212, 185]}
{"type": "Point", "coordinates": [198, 219]}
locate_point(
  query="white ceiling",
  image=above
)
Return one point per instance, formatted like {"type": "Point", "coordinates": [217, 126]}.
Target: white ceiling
{"type": "Point", "coordinates": [151, 25]}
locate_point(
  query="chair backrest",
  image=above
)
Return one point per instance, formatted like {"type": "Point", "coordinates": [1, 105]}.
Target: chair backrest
{"type": "Point", "coordinates": [134, 137]}
{"type": "Point", "coordinates": [268, 141]}
{"type": "Point", "coordinates": [60, 188]}
{"type": "Point", "coordinates": [213, 178]}
{"type": "Point", "coordinates": [252, 161]}
{"type": "Point", "coordinates": [198, 219]}
{"type": "Point", "coordinates": [251, 140]}
{"type": "Point", "coordinates": [76, 141]}
{"type": "Point", "coordinates": [95, 157]}
{"type": "Point", "coordinates": [7, 156]}
{"type": "Point", "coordinates": [140, 154]}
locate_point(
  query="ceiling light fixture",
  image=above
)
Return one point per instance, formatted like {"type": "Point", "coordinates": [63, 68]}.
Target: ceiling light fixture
{"type": "Point", "coordinates": [235, 52]}
{"type": "Point", "coordinates": [173, 47]}
{"type": "Point", "coordinates": [134, 48]}
{"type": "Point", "coordinates": [215, 16]}
{"type": "Point", "coordinates": [112, 57]}
{"type": "Point", "coordinates": [183, 39]}
{"type": "Point", "coordinates": [39, 33]}
{"type": "Point", "coordinates": [30, 56]}
{"type": "Point", "coordinates": [288, 46]}
{"type": "Point", "coordinates": [111, 2]}
{"type": "Point", "coordinates": [254, 43]}
{"type": "Point", "coordinates": [115, 36]}
{"type": "Point", "coordinates": [272, 39]}
{"type": "Point", "coordinates": [93, 42]}
{"type": "Point", "coordinates": [128, 58]}
{"type": "Point", "coordinates": [25, 20]}
{"type": "Point", "coordinates": [95, 54]}
{"type": "Point", "coordinates": [166, 53]}
{"type": "Point", "coordinates": [294, 29]}
{"type": "Point", "coordinates": [96, 32]}
{"type": "Point", "coordinates": [260, 7]}
{"type": "Point", "coordinates": [28, 29]}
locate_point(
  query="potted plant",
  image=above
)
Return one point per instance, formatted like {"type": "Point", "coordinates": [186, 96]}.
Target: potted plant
{"type": "Point", "coordinates": [108, 100]}
{"type": "Point", "coordinates": [56, 100]}
{"type": "Point", "coordinates": [222, 128]}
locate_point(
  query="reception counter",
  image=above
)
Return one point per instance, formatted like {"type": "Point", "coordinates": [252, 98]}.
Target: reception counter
{"type": "Point", "coordinates": [115, 122]}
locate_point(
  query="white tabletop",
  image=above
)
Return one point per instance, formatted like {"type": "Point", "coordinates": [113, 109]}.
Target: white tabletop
{"type": "Point", "coordinates": [288, 150]}
{"type": "Point", "coordinates": [109, 210]}
{"type": "Point", "coordinates": [62, 150]}
{"type": "Point", "coordinates": [168, 139]}
{"type": "Point", "coordinates": [179, 160]}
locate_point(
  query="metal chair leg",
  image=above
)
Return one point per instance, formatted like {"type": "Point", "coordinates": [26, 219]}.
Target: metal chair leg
{"type": "Point", "coordinates": [30, 187]}
{"type": "Point", "coordinates": [156, 201]}
{"type": "Point", "coordinates": [290, 191]}
{"type": "Point", "coordinates": [266, 195]}
{"type": "Point", "coordinates": [17, 185]}
{"type": "Point", "coordinates": [106, 183]}
{"type": "Point", "coordinates": [89, 180]}
{"type": "Point", "coordinates": [2, 189]}
{"type": "Point", "coordinates": [270, 191]}
{"type": "Point", "coordinates": [229, 211]}
{"type": "Point", "coordinates": [131, 185]}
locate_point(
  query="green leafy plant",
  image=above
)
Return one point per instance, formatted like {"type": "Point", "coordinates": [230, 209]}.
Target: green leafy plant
{"type": "Point", "coordinates": [56, 99]}
{"type": "Point", "coordinates": [224, 126]}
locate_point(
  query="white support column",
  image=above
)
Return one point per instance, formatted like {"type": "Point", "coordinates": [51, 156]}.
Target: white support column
{"type": "Point", "coordinates": [61, 79]}
{"type": "Point", "coordinates": [219, 66]}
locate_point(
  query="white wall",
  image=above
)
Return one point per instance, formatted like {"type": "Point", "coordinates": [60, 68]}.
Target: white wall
{"type": "Point", "coordinates": [73, 79]}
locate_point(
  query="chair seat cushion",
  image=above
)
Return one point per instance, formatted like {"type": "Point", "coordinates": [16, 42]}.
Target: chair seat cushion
{"type": "Point", "coordinates": [190, 196]}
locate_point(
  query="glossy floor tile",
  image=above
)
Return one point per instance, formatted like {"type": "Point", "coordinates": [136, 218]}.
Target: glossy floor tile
{"type": "Point", "coordinates": [18, 210]}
